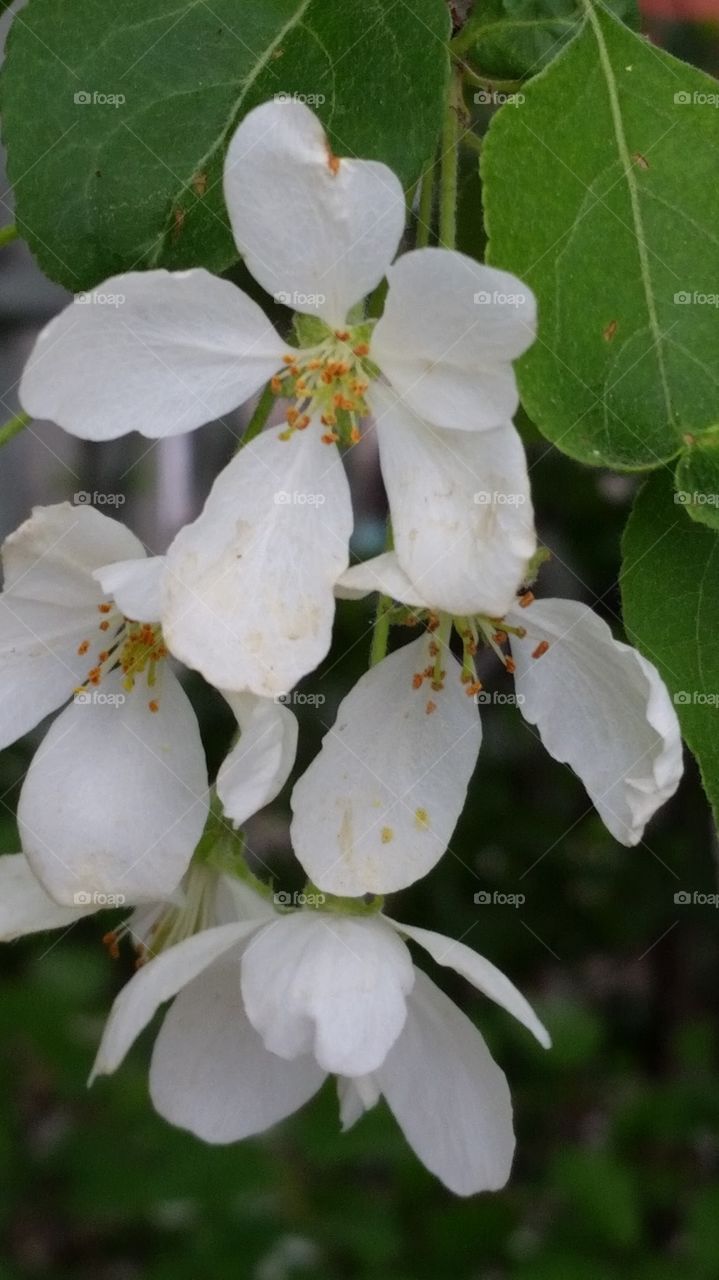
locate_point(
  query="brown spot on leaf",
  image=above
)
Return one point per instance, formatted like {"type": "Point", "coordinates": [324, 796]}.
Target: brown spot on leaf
{"type": "Point", "coordinates": [199, 184]}
{"type": "Point", "coordinates": [609, 331]}
{"type": "Point", "coordinates": [640, 161]}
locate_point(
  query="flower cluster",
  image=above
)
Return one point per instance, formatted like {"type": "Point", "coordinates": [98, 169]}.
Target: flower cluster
{"type": "Point", "coordinates": [116, 807]}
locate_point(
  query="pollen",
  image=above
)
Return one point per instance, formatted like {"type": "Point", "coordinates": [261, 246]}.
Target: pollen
{"type": "Point", "coordinates": [153, 704]}
{"type": "Point", "coordinates": [104, 626]}
{"type": "Point", "coordinates": [387, 834]}
{"type": "Point", "coordinates": [431, 707]}
{"type": "Point", "coordinates": [105, 608]}
{"type": "Point", "coordinates": [83, 648]}
{"type": "Point", "coordinates": [526, 599]}
{"type": "Point", "coordinates": [540, 649]}
{"type": "Point", "coordinates": [421, 819]}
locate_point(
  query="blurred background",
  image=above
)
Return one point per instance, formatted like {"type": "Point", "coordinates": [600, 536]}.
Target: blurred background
{"type": "Point", "coordinates": [618, 1127]}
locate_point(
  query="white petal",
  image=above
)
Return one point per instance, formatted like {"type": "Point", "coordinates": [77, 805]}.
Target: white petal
{"type": "Point", "coordinates": [49, 609]}
{"type": "Point", "coordinates": [250, 584]}
{"type": "Point", "coordinates": [39, 661]}
{"type": "Point", "coordinates": [210, 1071]}
{"type": "Point", "coordinates": [135, 586]}
{"type": "Point", "coordinates": [355, 1097]}
{"type": "Point", "coordinates": [461, 508]}
{"type": "Point", "coordinates": [448, 334]}
{"type": "Point", "coordinates": [318, 232]}
{"type": "Point", "coordinates": [378, 805]}
{"type": "Point", "coordinates": [172, 351]}
{"type": "Point", "coordinates": [259, 765]}
{"type": "Point", "coordinates": [24, 905]}
{"type": "Point", "coordinates": [382, 573]}
{"type": "Point", "coordinates": [51, 557]}
{"type": "Point", "coordinates": [115, 799]}
{"type": "Point", "coordinates": [448, 1095]}
{"type": "Point", "coordinates": [480, 972]}
{"type": "Point", "coordinates": [159, 980]}
{"type": "Point", "coordinates": [328, 984]}
{"type": "Point", "coordinates": [601, 708]}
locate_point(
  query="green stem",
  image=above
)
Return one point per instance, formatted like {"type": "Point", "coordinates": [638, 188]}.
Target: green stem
{"type": "Point", "coordinates": [8, 234]}
{"type": "Point", "coordinates": [380, 630]}
{"type": "Point", "coordinates": [426, 205]}
{"type": "Point", "coordinates": [13, 427]}
{"type": "Point", "coordinates": [449, 166]}
{"type": "Point", "coordinates": [473, 142]}
{"type": "Point", "coordinates": [259, 417]}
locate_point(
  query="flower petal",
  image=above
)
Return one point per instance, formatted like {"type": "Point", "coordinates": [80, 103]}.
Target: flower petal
{"type": "Point", "coordinates": [328, 984]}
{"type": "Point", "coordinates": [259, 765]}
{"type": "Point", "coordinates": [377, 807]}
{"type": "Point", "coordinates": [210, 1071]}
{"type": "Point", "coordinates": [461, 508]}
{"type": "Point", "coordinates": [601, 708]}
{"type": "Point", "coordinates": [480, 972]}
{"type": "Point", "coordinates": [382, 573]}
{"type": "Point", "coordinates": [135, 586]}
{"type": "Point", "coordinates": [51, 557]}
{"type": "Point", "coordinates": [355, 1097]}
{"type": "Point", "coordinates": [318, 232]}
{"type": "Point", "coordinates": [24, 905]}
{"type": "Point", "coordinates": [173, 350]}
{"type": "Point", "coordinates": [49, 609]}
{"type": "Point", "coordinates": [448, 334]}
{"type": "Point", "coordinates": [250, 584]}
{"type": "Point", "coordinates": [157, 981]}
{"type": "Point", "coordinates": [448, 1095]}
{"type": "Point", "coordinates": [115, 799]}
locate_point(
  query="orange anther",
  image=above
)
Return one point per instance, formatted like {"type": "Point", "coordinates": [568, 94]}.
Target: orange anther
{"type": "Point", "coordinates": [417, 679]}
{"type": "Point", "coordinates": [83, 648]}
{"type": "Point", "coordinates": [276, 385]}
{"type": "Point", "coordinates": [510, 665]}
{"type": "Point", "coordinates": [431, 706]}
{"type": "Point", "coordinates": [105, 608]}
{"type": "Point", "coordinates": [104, 625]}
{"type": "Point", "coordinates": [540, 649]}
{"type": "Point", "coordinates": [526, 599]}
{"type": "Point", "coordinates": [110, 941]}
{"type": "Point", "coordinates": [361, 349]}
{"type": "Point", "coordinates": [154, 705]}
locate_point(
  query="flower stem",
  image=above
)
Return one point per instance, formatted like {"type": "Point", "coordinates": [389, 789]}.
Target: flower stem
{"type": "Point", "coordinates": [8, 234]}
{"type": "Point", "coordinates": [380, 627]}
{"type": "Point", "coordinates": [259, 417]}
{"type": "Point", "coordinates": [13, 427]}
{"type": "Point", "coordinates": [449, 165]}
{"type": "Point", "coordinates": [426, 205]}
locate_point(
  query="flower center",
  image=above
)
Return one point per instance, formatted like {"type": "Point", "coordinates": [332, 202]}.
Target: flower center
{"type": "Point", "coordinates": [134, 648]}
{"type": "Point", "coordinates": [328, 381]}
{"type": "Point", "coordinates": [159, 926]}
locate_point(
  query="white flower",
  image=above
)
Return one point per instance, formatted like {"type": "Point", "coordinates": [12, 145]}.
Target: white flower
{"type": "Point", "coordinates": [255, 572]}
{"type": "Point", "coordinates": [116, 798]}
{"type": "Point", "coordinates": [598, 704]}
{"type": "Point", "coordinates": [377, 807]}
{"type": "Point", "coordinates": [266, 1010]}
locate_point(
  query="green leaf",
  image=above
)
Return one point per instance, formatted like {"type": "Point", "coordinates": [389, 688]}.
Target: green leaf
{"type": "Point", "coordinates": [601, 193]}
{"type": "Point", "coordinates": [117, 117]}
{"type": "Point", "coordinates": [512, 39]}
{"type": "Point", "coordinates": [697, 479]}
{"type": "Point", "coordinates": [670, 590]}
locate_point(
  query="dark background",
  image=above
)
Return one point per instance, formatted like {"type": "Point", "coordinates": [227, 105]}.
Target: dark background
{"type": "Point", "coordinates": [618, 1149]}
